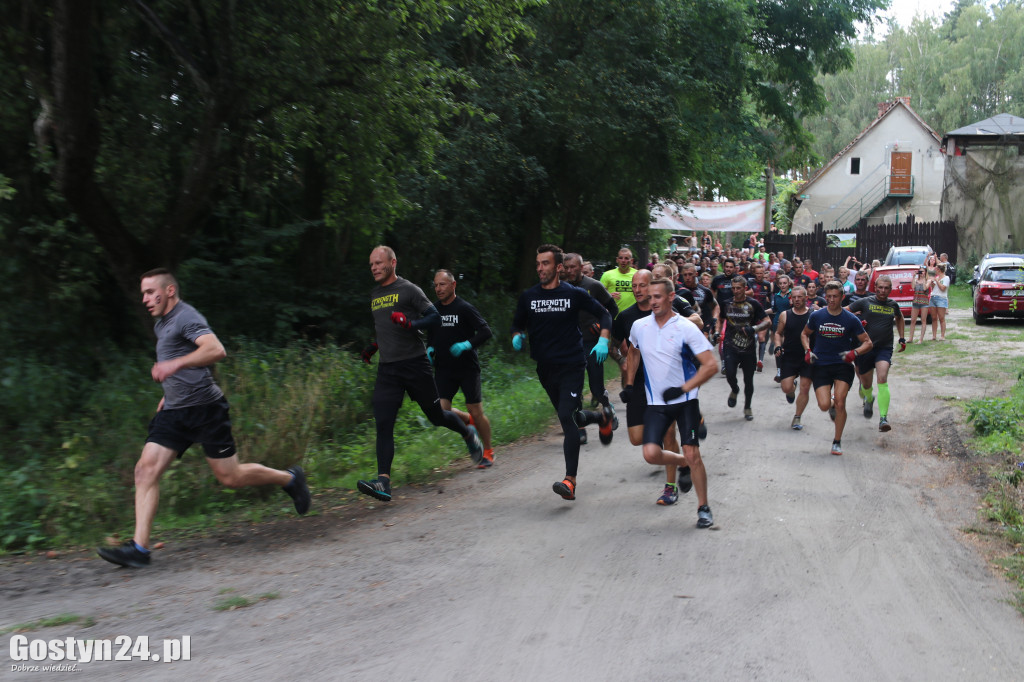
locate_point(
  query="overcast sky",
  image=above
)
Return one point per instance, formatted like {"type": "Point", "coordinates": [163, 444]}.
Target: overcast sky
{"type": "Point", "coordinates": [904, 10]}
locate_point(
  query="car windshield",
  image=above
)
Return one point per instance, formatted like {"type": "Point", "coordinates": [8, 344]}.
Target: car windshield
{"type": "Point", "coordinates": [907, 258]}
{"type": "Point", "coordinates": [1007, 274]}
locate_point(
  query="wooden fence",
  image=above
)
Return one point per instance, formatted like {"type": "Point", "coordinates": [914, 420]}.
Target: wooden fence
{"type": "Point", "coordinates": [873, 241]}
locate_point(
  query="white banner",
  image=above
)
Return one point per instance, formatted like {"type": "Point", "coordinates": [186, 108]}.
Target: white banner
{"type": "Point", "coordinates": [713, 216]}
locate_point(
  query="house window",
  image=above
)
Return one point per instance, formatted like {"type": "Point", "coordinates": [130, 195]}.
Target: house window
{"type": "Point", "coordinates": [855, 165]}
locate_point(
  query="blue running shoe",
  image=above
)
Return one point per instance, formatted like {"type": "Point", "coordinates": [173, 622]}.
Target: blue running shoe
{"type": "Point", "coordinates": [476, 447]}
{"type": "Point", "coordinates": [379, 488]}
{"type": "Point", "coordinates": [669, 496]}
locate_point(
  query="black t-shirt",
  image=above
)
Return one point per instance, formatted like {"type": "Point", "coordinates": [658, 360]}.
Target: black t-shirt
{"type": "Point", "coordinates": [551, 318]}
{"type": "Point", "coordinates": [740, 315]}
{"type": "Point", "coordinates": [722, 286]}
{"type": "Point", "coordinates": [759, 291]}
{"type": "Point", "coordinates": [460, 321]}
{"type": "Point", "coordinates": [880, 318]}
{"type": "Point", "coordinates": [597, 290]}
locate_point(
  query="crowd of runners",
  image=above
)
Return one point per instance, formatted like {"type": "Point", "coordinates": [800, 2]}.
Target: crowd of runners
{"type": "Point", "coordinates": [663, 323]}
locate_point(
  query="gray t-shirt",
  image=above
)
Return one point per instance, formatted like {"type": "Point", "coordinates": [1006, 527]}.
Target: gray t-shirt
{"type": "Point", "coordinates": [176, 333]}
{"type": "Point", "coordinates": [394, 342]}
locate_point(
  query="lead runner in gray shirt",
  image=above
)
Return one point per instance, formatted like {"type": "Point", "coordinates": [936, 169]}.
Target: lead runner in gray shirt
{"type": "Point", "coordinates": [192, 410]}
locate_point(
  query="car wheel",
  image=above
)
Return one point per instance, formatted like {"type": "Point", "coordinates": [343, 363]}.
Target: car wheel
{"type": "Point", "coordinates": [980, 319]}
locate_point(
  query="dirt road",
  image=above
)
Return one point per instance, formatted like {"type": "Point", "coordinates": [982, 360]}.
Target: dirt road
{"type": "Point", "coordinates": [818, 568]}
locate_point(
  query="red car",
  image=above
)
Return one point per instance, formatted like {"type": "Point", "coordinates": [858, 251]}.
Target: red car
{"type": "Point", "coordinates": [999, 290]}
{"type": "Point", "coordinates": [901, 265]}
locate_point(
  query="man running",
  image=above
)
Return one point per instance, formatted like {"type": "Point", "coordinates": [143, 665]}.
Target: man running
{"type": "Point", "coordinates": [878, 312]}
{"type": "Point", "coordinates": [745, 319]}
{"type": "Point", "coordinates": [192, 410]}
{"type": "Point", "coordinates": [835, 332]}
{"type": "Point", "coordinates": [619, 280]}
{"type": "Point", "coordinates": [759, 289]}
{"type": "Point", "coordinates": [549, 313]}
{"type": "Point", "coordinates": [677, 360]}
{"type": "Point", "coordinates": [707, 306]}
{"type": "Point", "coordinates": [860, 283]}
{"type": "Point", "coordinates": [400, 309]}
{"type": "Point", "coordinates": [789, 352]}
{"type": "Point", "coordinates": [572, 264]}
{"type": "Point", "coordinates": [451, 348]}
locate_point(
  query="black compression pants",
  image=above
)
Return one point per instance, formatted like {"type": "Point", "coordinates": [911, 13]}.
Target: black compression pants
{"type": "Point", "coordinates": [595, 375]}
{"type": "Point", "coordinates": [747, 362]}
{"type": "Point", "coordinates": [564, 386]}
{"type": "Point", "coordinates": [394, 380]}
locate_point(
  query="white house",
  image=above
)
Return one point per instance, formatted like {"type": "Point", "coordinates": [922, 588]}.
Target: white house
{"type": "Point", "coordinates": [892, 169]}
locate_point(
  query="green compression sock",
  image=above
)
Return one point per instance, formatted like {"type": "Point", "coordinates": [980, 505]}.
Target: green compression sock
{"type": "Point", "coordinates": [865, 393]}
{"type": "Point", "coordinates": [883, 399]}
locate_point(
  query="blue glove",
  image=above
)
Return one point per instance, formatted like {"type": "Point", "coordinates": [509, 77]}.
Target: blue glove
{"type": "Point", "coordinates": [517, 342]}
{"type": "Point", "coordinates": [601, 350]}
{"type": "Point", "coordinates": [459, 348]}
{"type": "Point", "coordinates": [430, 354]}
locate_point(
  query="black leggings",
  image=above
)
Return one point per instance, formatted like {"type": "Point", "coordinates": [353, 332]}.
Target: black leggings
{"type": "Point", "coordinates": [747, 362]}
{"type": "Point", "coordinates": [595, 376]}
{"type": "Point", "coordinates": [564, 386]}
{"type": "Point", "coordinates": [394, 380]}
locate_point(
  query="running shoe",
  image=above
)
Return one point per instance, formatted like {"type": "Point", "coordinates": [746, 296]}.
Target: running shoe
{"type": "Point", "coordinates": [778, 376]}
{"type": "Point", "coordinates": [748, 414]}
{"type": "Point", "coordinates": [883, 425]}
{"type": "Point", "coordinates": [604, 431]}
{"type": "Point", "coordinates": [488, 459]}
{"type": "Point", "coordinates": [791, 397]}
{"type": "Point", "coordinates": [565, 488]}
{"type": "Point", "coordinates": [298, 490]}
{"type": "Point", "coordinates": [669, 496]}
{"type": "Point", "coordinates": [702, 431]}
{"type": "Point", "coordinates": [683, 479]}
{"type": "Point", "coordinates": [837, 449]}
{"type": "Point", "coordinates": [476, 447]}
{"type": "Point", "coordinates": [583, 436]}
{"type": "Point", "coordinates": [704, 519]}
{"type": "Point", "coordinates": [615, 418]}
{"type": "Point", "coordinates": [760, 366]}
{"type": "Point", "coordinates": [378, 488]}
{"type": "Point", "coordinates": [869, 404]}
{"type": "Point", "coordinates": [832, 413]}
{"type": "Point", "coordinates": [795, 424]}
{"type": "Point", "coordinates": [732, 398]}
{"type": "Point", "coordinates": [126, 555]}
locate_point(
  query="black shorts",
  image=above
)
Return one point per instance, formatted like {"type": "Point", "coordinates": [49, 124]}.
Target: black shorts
{"type": "Point", "coordinates": [636, 407]}
{"type": "Point", "coordinates": [866, 363]}
{"type": "Point", "coordinates": [451, 380]}
{"type": "Point", "coordinates": [658, 420]}
{"type": "Point", "coordinates": [793, 365]}
{"type": "Point", "coordinates": [828, 375]}
{"type": "Point", "coordinates": [395, 379]}
{"type": "Point", "coordinates": [208, 425]}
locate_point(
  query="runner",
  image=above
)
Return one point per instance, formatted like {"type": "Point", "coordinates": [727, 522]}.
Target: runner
{"type": "Point", "coordinates": [451, 349]}
{"type": "Point", "coordinates": [192, 410]}
{"type": "Point", "coordinates": [789, 354]}
{"type": "Point", "coordinates": [707, 306]}
{"type": "Point", "coordinates": [572, 264]}
{"type": "Point", "coordinates": [619, 280]}
{"type": "Point", "coordinates": [860, 284]}
{"type": "Point", "coordinates": [677, 361]}
{"type": "Point", "coordinates": [400, 309]}
{"type": "Point", "coordinates": [549, 313]}
{"type": "Point", "coordinates": [815, 301]}
{"type": "Point", "coordinates": [759, 289]}
{"type": "Point", "coordinates": [745, 318]}
{"type": "Point", "coordinates": [835, 332]}
{"type": "Point", "coordinates": [781, 290]}
{"type": "Point", "coordinates": [879, 312]}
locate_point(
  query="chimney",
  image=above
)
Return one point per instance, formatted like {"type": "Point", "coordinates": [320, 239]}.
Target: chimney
{"type": "Point", "coordinates": [905, 100]}
{"type": "Point", "coordinates": [882, 108]}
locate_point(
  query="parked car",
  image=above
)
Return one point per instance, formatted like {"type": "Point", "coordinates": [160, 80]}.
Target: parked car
{"type": "Point", "coordinates": [999, 291]}
{"type": "Point", "coordinates": [900, 265]}
{"type": "Point", "coordinates": [986, 260]}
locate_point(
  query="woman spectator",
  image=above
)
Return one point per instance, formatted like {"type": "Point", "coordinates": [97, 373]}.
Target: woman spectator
{"type": "Point", "coordinates": [931, 264]}
{"type": "Point", "coordinates": [919, 305]}
{"type": "Point", "coordinates": [846, 280]}
{"type": "Point", "coordinates": [939, 299]}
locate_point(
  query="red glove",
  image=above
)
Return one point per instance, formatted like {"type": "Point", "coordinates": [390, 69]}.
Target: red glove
{"type": "Point", "coordinates": [368, 352]}
{"type": "Point", "coordinates": [865, 323]}
{"type": "Point", "coordinates": [903, 345]}
{"type": "Point", "coordinates": [810, 357]}
{"type": "Point", "coordinates": [850, 356]}
{"type": "Point", "coordinates": [401, 320]}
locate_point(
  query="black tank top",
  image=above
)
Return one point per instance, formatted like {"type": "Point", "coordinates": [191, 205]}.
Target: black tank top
{"type": "Point", "coordinates": [791, 332]}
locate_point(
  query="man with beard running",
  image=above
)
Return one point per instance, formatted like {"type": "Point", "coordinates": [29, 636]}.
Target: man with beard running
{"type": "Point", "coordinates": [789, 352]}
{"type": "Point", "coordinates": [759, 289]}
{"type": "Point", "coordinates": [706, 304]}
{"type": "Point", "coordinates": [400, 309]}
{"type": "Point", "coordinates": [745, 319]}
{"type": "Point", "coordinates": [572, 264]}
{"type": "Point", "coordinates": [549, 313]}
{"type": "Point", "coordinates": [835, 332]}
{"type": "Point", "coordinates": [879, 312]}
{"type": "Point", "coordinates": [677, 360]}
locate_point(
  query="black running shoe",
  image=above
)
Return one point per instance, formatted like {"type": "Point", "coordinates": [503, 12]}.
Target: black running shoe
{"type": "Point", "coordinates": [615, 418]}
{"type": "Point", "coordinates": [732, 398]}
{"type": "Point", "coordinates": [748, 414]}
{"type": "Point", "coordinates": [583, 436]}
{"type": "Point", "coordinates": [869, 404]}
{"type": "Point", "coordinates": [778, 376]}
{"type": "Point", "coordinates": [832, 413]}
{"type": "Point", "coordinates": [298, 490]}
{"type": "Point", "coordinates": [704, 519]}
{"type": "Point", "coordinates": [760, 366]}
{"type": "Point", "coordinates": [475, 445]}
{"type": "Point", "coordinates": [126, 555]}
{"type": "Point", "coordinates": [605, 429]}
{"type": "Point", "coordinates": [379, 488]}
{"type": "Point", "coordinates": [565, 488]}
{"type": "Point", "coordinates": [684, 479]}
{"type": "Point", "coordinates": [791, 397]}
{"type": "Point", "coordinates": [883, 425]}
